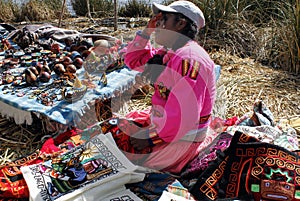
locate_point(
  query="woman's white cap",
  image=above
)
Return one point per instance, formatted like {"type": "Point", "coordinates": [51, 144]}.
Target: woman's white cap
{"type": "Point", "coordinates": [186, 8]}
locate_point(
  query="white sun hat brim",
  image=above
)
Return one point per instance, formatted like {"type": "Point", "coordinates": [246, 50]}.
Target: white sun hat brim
{"type": "Point", "coordinates": [187, 8]}
{"type": "Point", "coordinates": [156, 8]}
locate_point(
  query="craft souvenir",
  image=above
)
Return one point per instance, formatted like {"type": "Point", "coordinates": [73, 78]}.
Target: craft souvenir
{"type": "Point", "coordinates": [81, 48]}
{"type": "Point", "coordinates": [74, 55]}
{"type": "Point", "coordinates": [19, 54]}
{"type": "Point", "coordinates": [45, 52]}
{"type": "Point", "coordinates": [9, 79]}
{"type": "Point", "coordinates": [28, 51]}
{"type": "Point", "coordinates": [52, 56]}
{"type": "Point", "coordinates": [30, 77]}
{"type": "Point", "coordinates": [39, 67]}
{"type": "Point", "coordinates": [38, 48]}
{"type": "Point", "coordinates": [35, 55]}
{"type": "Point", "coordinates": [85, 54]}
{"type": "Point", "coordinates": [78, 62]}
{"type": "Point", "coordinates": [28, 63]}
{"type": "Point", "coordinates": [16, 82]}
{"type": "Point", "coordinates": [26, 57]}
{"type": "Point", "coordinates": [59, 69]}
{"type": "Point", "coordinates": [22, 63]}
{"type": "Point", "coordinates": [6, 61]}
{"type": "Point", "coordinates": [72, 94]}
{"type": "Point", "coordinates": [55, 48]}
{"type": "Point", "coordinates": [66, 60]}
{"type": "Point", "coordinates": [86, 172]}
{"type": "Point", "coordinates": [9, 54]}
{"type": "Point", "coordinates": [70, 71]}
{"type": "Point", "coordinates": [13, 62]}
{"type": "Point", "coordinates": [32, 48]}
{"type": "Point", "coordinates": [44, 76]}
{"type": "Point", "coordinates": [45, 68]}
{"type": "Point", "coordinates": [34, 70]}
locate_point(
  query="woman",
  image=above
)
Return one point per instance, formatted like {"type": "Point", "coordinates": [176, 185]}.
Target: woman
{"type": "Point", "coordinates": [184, 83]}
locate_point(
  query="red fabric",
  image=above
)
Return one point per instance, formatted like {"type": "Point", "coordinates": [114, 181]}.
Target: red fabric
{"type": "Point", "coordinates": [65, 136]}
{"type": "Point", "coordinates": [140, 117]}
{"type": "Point", "coordinates": [231, 121]}
{"type": "Point", "coordinates": [51, 145]}
{"type": "Point", "coordinates": [121, 134]}
{"type": "Point", "coordinates": [12, 183]}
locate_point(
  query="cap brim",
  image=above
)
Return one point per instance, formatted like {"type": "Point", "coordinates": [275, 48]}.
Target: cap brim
{"type": "Point", "coordinates": [156, 8]}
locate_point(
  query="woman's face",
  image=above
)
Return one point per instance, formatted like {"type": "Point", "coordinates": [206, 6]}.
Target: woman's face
{"type": "Point", "coordinates": [166, 32]}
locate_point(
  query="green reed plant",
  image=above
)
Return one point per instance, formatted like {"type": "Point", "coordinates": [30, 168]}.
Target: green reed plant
{"type": "Point", "coordinates": [6, 14]}
{"type": "Point", "coordinates": [280, 19]}
{"type": "Point", "coordinates": [267, 30]}
{"type": "Point", "coordinates": [98, 8]}
{"type": "Point", "coordinates": [55, 5]}
{"type": "Point", "coordinates": [135, 8]}
{"type": "Point", "coordinates": [36, 10]}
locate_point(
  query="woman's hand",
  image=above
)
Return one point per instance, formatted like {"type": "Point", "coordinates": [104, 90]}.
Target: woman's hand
{"type": "Point", "coordinates": [152, 24]}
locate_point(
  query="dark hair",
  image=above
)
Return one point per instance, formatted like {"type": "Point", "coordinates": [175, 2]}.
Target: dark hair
{"type": "Point", "coordinates": [190, 30]}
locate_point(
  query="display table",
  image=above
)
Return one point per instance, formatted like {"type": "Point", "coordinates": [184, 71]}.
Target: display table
{"type": "Point", "coordinates": [62, 111]}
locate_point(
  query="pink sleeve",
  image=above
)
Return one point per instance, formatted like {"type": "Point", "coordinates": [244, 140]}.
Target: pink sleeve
{"type": "Point", "coordinates": [183, 107]}
{"type": "Point", "coordinates": [138, 52]}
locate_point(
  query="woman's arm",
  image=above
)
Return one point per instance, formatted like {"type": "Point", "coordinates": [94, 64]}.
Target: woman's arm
{"type": "Point", "coordinates": [139, 51]}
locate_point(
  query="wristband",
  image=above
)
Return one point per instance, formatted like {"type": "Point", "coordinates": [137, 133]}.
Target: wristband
{"type": "Point", "coordinates": [140, 33]}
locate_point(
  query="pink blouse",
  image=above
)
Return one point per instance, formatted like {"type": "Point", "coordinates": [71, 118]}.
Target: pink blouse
{"type": "Point", "coordinates": [184, 92]}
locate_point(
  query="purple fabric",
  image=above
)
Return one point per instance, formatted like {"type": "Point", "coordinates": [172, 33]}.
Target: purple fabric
{"type": "Point", "coordinates": [200, 163]}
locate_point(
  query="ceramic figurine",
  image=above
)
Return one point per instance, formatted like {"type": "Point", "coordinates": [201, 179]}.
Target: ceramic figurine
{"type": "Point", "coordinates": [75, 93]}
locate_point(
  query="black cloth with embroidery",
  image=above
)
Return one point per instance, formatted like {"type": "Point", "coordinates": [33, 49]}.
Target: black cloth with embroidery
{"type": "Point", "coordinates": [250, 170]}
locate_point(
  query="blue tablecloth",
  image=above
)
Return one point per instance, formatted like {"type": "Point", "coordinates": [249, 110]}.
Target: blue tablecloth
{"type": "Point", "coordinates": [68, 113]}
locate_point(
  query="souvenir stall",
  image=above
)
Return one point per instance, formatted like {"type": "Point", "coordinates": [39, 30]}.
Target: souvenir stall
{"type": "Point", "coordinates": [61, 76]}
{"type": "Point", "coordinates": [66, 79]}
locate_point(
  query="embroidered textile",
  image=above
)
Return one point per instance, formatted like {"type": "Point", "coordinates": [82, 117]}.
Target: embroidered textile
{"type": "Point", "coordinates": [201, 162]}
{"type": "Point", "coordinates": [88, 171]}
{"type": "Point", "coordinates": [250, 169]}
{"type": "Point", "coordinates": [12, 184]}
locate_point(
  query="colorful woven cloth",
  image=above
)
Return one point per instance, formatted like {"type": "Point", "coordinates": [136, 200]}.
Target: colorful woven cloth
{"type": "Point", "coordinates": [201, 162]}
{"type": "Point", "coordinates": [250, 170]}
{"type": "Point", "coordinates": [12, 184]}
{"type": "Point", "coordinates": [87, 172]}
{"type": "Point", "coordinates": [261, 116]}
